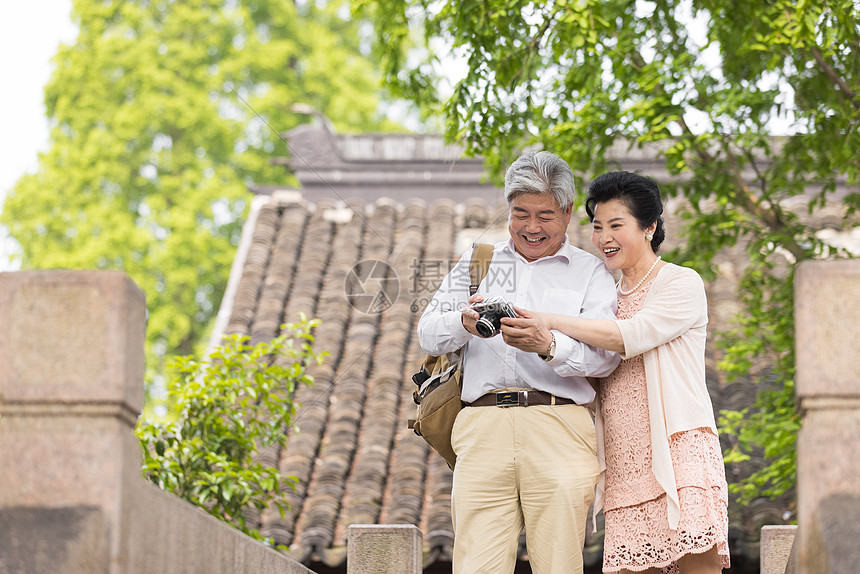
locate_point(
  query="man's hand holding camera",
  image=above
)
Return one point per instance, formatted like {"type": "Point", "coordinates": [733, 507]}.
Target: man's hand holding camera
{"type": "Point", "coordinates": [469, 316]}
{"type": "Point", "coordinates": [522, 329]}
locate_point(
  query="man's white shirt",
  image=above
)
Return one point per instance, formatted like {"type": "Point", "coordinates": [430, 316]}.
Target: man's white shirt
{"type": "Point", "coordinates": [571, 282]}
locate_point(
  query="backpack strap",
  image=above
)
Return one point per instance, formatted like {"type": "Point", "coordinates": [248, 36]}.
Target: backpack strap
{"type": "Point", "coordinates": [482, 253]}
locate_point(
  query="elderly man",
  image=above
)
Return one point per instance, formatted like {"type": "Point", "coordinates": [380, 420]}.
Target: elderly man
{"type": "Point", "coordinates": [534, 464]}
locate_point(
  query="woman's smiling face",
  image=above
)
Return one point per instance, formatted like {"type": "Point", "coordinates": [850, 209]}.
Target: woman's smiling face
{"type": "Point", "coordinates": [618, 236]}
{"type": "Point", "coordinates": [537, 225]}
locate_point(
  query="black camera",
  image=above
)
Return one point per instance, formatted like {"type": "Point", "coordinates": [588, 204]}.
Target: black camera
{"type": "Point", "coordinates": [491, 311]}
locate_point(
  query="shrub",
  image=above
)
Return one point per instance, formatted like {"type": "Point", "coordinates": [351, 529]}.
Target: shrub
{"type": "Point", "coordinates": [227, 411]}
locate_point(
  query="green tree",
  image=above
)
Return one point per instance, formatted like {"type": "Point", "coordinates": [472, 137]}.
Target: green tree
{"type": "Point", "coordinates": [576, 77]}
{"type": "Point", "coordinates": [230, 408]}
{"type": "Point", "coordinates": [161, 113]}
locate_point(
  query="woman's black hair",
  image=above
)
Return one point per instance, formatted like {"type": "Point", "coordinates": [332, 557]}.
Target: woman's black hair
{"type": "Point", "coordinates": [640, 194]}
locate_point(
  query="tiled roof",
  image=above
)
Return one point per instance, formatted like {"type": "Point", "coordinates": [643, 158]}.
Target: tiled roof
{"type": "Point", "coordinates": [355, 460]}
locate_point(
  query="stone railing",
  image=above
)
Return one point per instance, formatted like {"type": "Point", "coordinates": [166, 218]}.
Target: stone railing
{"type": "Point", "coordinates": [72, 498]}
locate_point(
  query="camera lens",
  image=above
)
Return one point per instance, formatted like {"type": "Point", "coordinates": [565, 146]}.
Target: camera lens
{"type": "Point", "coordinates": [485, 327]}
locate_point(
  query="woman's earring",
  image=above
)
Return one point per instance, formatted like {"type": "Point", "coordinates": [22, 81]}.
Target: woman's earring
{"type": "Point", "coordinates": [649, 237]}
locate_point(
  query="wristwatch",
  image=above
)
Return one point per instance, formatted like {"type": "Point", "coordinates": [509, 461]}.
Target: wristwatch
{"type": "Point", "coordinates": [550, 353]}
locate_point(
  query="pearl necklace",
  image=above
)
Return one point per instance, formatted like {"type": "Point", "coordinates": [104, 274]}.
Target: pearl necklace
{"type": "Point", "coordinates": [638, 285]}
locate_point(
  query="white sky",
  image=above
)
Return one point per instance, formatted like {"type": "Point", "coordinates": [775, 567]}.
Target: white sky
{"type": "Point", "coordinates": [30, 32]}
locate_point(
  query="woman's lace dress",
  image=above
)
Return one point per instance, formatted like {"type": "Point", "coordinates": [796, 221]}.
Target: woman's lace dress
{"type": "Point", "coordinates": [635, 507]}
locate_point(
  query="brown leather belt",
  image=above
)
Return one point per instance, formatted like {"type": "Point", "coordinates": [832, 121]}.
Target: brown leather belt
{"type": "Point", "coordinates": [519, 399]}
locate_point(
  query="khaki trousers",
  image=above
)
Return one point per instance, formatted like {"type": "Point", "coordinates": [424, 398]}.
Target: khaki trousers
{"type": "Point", "coordinates": [530, 466]}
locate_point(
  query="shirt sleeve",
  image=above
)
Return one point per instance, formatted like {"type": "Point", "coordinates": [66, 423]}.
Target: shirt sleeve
{"type": "Point", "coordinates": [575, 358]}
{"type": "Point", "coordinates": [669, 311]}
{"type": "Point", "coordinates": [440, 328]}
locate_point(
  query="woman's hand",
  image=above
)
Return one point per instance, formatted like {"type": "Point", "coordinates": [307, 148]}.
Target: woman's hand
{"type": "Point", "coordinates": [597, 332]}
{"type": "Point", "coordinates": [545, 318]}
{"type": "Point", "coordinates": [527, 332]}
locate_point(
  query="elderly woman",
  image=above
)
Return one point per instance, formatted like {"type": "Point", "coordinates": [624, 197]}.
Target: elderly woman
{"type": "Point", "coordinates": [663, 488]}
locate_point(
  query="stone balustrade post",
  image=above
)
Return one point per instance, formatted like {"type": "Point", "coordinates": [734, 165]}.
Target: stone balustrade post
{"type": "Point", "coordinates": [384, 549]}
{"type": "Point", "coordinates": [827, 325]}
{"type": "Point", "coordinates": [71, 389]}
{"type": "Point", "coordinates": [777, 542]}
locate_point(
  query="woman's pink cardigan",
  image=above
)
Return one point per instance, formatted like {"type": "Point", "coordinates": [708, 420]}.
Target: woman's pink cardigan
{"type": "Point", "coordinates": [669, 331]}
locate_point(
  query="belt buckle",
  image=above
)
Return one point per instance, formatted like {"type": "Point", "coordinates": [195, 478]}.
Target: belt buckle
{"type": "Point", "coordinates": [509, 399]}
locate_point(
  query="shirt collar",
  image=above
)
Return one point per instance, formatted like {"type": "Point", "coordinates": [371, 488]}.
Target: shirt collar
{"type": "Point", "coordinates": [564, 252]}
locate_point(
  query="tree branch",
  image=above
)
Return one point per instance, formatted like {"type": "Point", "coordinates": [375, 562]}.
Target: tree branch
{"type": "Point", "coordinates": [530, 49]}
{"type": "Point", "coordinates": [769, 216]}
{"type": "Point", "coordinates": [850, 94]}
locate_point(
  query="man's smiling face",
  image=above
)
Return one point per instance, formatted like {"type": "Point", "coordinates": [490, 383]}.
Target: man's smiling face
{"type": "Point", "coordinates": [537, 225]}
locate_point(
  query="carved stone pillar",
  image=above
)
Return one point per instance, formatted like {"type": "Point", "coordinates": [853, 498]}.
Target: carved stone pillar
{"type": "Point", "coordinates": [827, 325]}
{"type": "Point", "coordinates": [71, 389]}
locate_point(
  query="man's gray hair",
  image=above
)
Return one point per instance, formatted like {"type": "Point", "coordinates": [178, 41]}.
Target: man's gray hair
{"type": "Point", "coordinates": [540, 172]}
